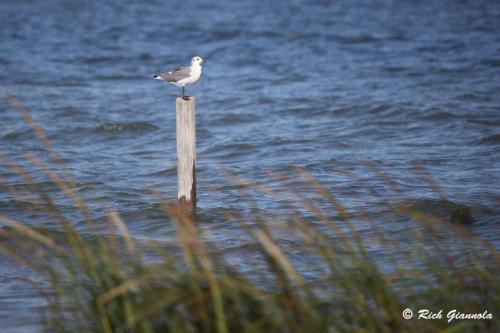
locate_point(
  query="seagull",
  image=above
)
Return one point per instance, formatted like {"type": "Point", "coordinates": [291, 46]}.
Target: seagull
{"type": "Point", "coordinates": [183, 76]}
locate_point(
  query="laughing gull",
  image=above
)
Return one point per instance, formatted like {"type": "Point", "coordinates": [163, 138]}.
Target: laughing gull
{"type": "Point", "coordinates": [183, 76]}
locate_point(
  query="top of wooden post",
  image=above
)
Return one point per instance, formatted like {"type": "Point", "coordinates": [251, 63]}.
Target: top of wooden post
{"type": "Point", "coordinates": [191, 99]}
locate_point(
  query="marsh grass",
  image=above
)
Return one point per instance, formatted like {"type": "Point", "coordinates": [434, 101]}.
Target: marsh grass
{"type": "Point", "coordinates": [323, 276]}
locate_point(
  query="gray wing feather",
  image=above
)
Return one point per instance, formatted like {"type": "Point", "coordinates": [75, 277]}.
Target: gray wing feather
{"type": "Point", "coordinates": [176, 75]}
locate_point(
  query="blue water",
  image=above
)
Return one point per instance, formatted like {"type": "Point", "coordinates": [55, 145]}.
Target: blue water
{"type": "Point", "coordinates": [316, 84]}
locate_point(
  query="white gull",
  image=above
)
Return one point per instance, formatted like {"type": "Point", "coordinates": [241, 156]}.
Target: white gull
{"type": "Point", "coordinates": [183, 76]}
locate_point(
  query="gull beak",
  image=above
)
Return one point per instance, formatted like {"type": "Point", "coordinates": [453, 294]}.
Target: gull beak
{"type": "Point", "coordinates": [203, 62]}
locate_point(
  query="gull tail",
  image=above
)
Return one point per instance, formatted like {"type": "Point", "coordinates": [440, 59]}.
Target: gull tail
{"type": "Point", "coordinates": [157, 77]}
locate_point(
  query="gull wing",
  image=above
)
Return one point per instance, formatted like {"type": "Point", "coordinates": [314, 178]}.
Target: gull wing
{"type": "Point", "coordinates": [175, 75]}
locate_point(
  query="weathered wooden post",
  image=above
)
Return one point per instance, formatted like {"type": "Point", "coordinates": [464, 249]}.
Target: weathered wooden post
{"type": "Point", "coordinates": [186, 154]}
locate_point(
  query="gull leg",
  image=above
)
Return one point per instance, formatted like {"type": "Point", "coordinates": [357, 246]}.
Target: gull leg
{"type": "Point", "coordinates": [184, 97]}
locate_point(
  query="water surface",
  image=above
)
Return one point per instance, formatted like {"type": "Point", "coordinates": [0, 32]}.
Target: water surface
{"type": "Point", "coordinates": [315, 84]}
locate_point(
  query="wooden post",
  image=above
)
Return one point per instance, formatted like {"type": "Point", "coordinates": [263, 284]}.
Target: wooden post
{"type": "Point", "coordinates": [186, 154]}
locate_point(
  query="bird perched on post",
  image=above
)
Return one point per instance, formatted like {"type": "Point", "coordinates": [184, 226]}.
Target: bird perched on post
{"type": "Point", "coordinates": [183, 76]}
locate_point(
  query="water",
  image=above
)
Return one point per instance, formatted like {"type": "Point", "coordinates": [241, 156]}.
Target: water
{"type": "Point", "coordinates": [320, 85]}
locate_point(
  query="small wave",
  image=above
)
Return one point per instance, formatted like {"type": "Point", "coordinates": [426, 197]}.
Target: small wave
{"type": "Point", "coordinates": [356, 39]}
{"type": "Point", "coordinates": [266, 34]}
{"type": "Point", "coordinates": [439, 115]}
{"type": "Point", "coordinates": [345, 110]}
{"type": "Point", "coordinates": [118, 77]}
{"type": "Point", "coordinates": [383, 123]}
{"type": "Point", "coordinates": [101, 60]}
{"type": "Point", "coordinates": [489, 140]}
{"type": "Point", "coordinates": [233, 118]}
{"type": "Point", "coordinates": [394, 69]}
{"type": "Point", "coordinates": [147, 211]}
{"type": "Point", "coordinates": [440, 208]}
{"type": "Point", "coordinates": [164, 172]}
{"type": "Point", "coordinates": [380, 108]}
{"type": "Point", "coordinates": [225, 33]}
{"type": "Point", "coordinates": [16, 134]}
{"type": "Point", "coordinates": [469, 97]}
{"type": "Point", "coordinates": [93, 60]}
{"type": "Point", "coordinates": [265, 101]}
{"type": "Point", "coordinates": [490, 122]}
{"type": "Point", "coordinates": [491, 62]}
{"type": "Point", "coordinates": [368, 132]}
{"type": "Point", "coordinates": [126, 127]}
{"type": "Point", "coordinates": [305, 112]}
{"type": "Point", "coordinates": [145, 56]}
{"type": "Point", "coordinates": [6, 205]}
{"type": "Point", "coordinates": [280, 141]}
{"type": "Point", "coordinates": [232, 150]}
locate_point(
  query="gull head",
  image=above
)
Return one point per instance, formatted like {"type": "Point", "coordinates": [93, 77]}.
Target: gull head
{"type": "Point", "coordinates": [198, 61]}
